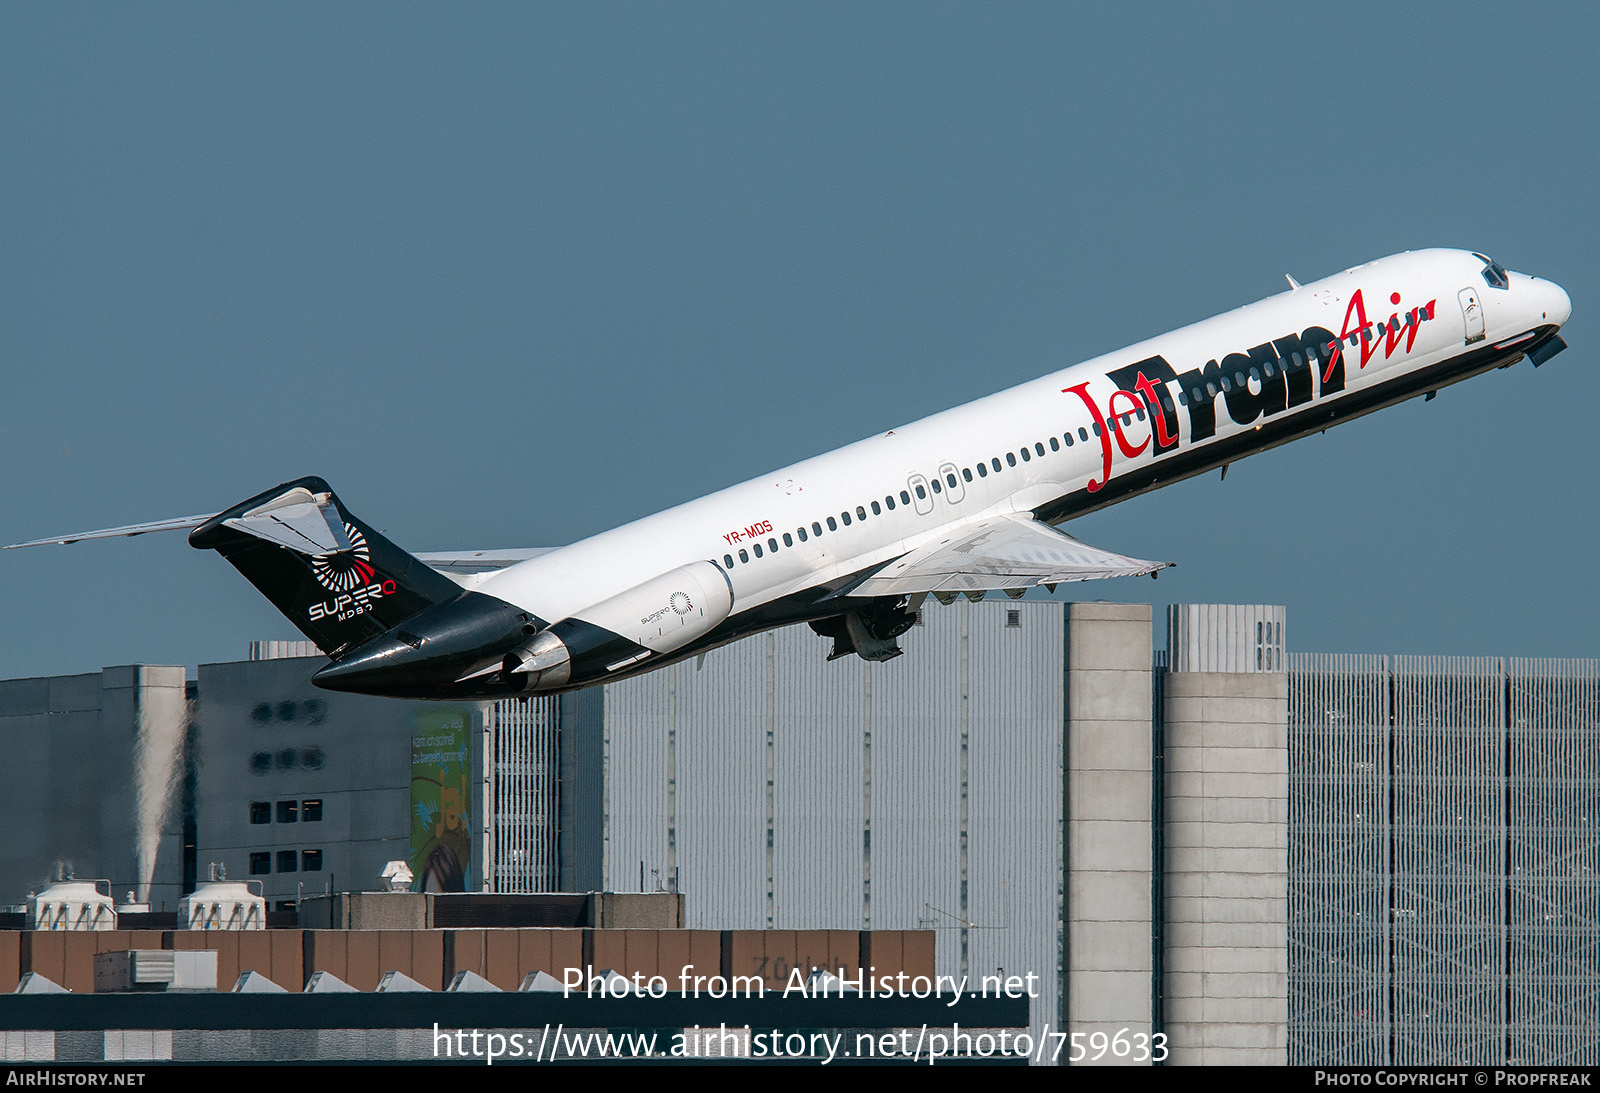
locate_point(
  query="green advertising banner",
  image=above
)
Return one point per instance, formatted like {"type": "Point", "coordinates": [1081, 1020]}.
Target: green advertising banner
{"type": "Point", "coordinates": [441, 812]}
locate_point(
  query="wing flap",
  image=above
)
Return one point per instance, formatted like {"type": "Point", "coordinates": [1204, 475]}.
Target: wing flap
{"type": "Point", "coordinates": [1004, 552]}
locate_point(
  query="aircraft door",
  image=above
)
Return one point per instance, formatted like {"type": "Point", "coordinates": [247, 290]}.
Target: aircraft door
{"type": "Point", "coordinates": [1472, 312]}
{"type": "Point", "coordinates": [921, 497]}
{"type": "Point", "coordinates": [954, 491]}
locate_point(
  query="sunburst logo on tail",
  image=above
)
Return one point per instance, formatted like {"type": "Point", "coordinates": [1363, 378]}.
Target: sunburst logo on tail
{"type": "Point", "coordinates": [343, 570]}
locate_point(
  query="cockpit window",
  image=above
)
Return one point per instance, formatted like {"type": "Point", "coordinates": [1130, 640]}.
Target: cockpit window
{"type": "Point", "coordinates": [1494, 274]}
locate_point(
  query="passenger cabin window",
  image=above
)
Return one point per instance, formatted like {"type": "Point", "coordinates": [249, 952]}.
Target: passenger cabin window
{"type": "Point", "coordinates": [788, 540]}
{"type": "Point", "coordinates": [744, 555]}
{"type": "Point", "coordinates": [833, 525]}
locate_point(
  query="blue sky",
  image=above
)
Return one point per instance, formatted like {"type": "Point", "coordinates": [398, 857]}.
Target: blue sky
{"type": "Point", "coordinates": [510, 274]}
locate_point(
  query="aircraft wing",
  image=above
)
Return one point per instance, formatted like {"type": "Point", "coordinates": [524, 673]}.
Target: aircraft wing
{"type": "Point", "coordinates": [467, 562]}
{"type": "Point", "coordinates": [1002, 552]}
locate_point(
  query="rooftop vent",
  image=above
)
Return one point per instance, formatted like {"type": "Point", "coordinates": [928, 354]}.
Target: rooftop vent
{"type": "Point", "coordinates": [74, 905]}
{"type": "Point", "coordinates": [223, 905]}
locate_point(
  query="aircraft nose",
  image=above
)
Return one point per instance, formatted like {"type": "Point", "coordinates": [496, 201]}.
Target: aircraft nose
{"type": "Point", "coordinates": [1558, 308]}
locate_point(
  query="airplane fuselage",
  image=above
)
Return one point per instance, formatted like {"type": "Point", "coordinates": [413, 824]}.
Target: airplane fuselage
{"type": "Point", "coordinates": [792, 543]}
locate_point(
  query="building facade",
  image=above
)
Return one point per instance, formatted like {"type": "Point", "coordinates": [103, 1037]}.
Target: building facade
{"type": "Point", "coordinates": [1445, 841]}
{"type": "Point", "coordinates": [1262, 857]}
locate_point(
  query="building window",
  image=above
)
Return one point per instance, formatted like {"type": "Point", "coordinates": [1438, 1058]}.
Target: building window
{"type": "Point", "coordinates": [260, 762]}
{"type": "Point", "coordinates": [261, 812]}
{"type": "Point", "coordinates": [311, 861]}
{"type": "Point", "coordinates": [260, 862]}
{"type": "Point", "coordinates": [311, 811]}
{"type": "Point", "coordinates": [1014, 619]}
{"type": "Point", "coordinates": [284, 905]}
{"type": "Point", "coordinates": [286, 861]}
{"type": "Point", "coordinates": [288, 811]}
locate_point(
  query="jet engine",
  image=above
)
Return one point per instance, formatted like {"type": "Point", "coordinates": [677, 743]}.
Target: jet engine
{"type": "Point", "coordinates": [662, 614]}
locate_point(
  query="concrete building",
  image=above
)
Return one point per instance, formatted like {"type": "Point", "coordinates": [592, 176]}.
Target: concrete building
{"type": "Point", "coordinates": [305, 790]}
{"type": "Point", "coordinates": [97, 763]}
{"type": "Point", "coordinates": [1224, 782]}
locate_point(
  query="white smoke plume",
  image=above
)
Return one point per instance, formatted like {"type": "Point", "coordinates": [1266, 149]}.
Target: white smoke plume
{"type": "Point", "coordinates": [158, 753]}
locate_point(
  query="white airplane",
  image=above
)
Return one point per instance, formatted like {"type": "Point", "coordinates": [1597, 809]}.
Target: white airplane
{"type": "Point", "coordinates": [852, 542]}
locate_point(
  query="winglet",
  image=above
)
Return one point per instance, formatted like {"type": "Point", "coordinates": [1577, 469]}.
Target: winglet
{"type": "Point", "coordinates": [1293, 284]}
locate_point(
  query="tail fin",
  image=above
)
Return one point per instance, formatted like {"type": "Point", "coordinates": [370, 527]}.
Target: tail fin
{"type": "Point", "coordinates": [334, 577]}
